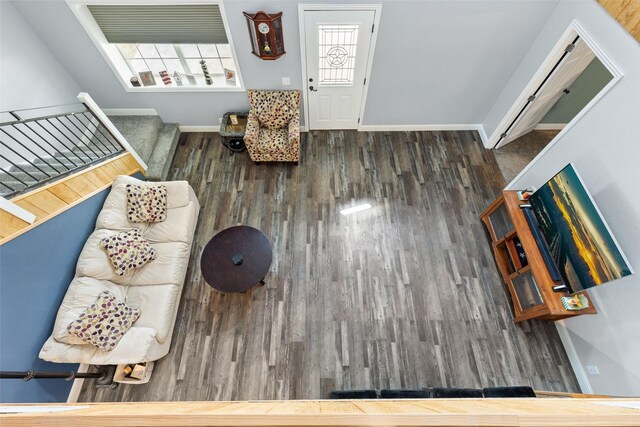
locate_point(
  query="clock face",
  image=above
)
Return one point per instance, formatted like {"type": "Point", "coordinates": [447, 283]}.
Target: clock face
{"type": "Point", "coordinates": [263, 28]}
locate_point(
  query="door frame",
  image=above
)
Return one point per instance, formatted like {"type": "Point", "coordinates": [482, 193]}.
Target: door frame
{"type": "Point", "coordinates": [574, 29]}
{"type": "Point", "coordinates": [302, 8]}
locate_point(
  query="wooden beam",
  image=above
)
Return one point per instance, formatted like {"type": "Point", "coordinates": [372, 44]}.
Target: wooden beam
{"type": "Point", "coordinates": [626, 12]}
{"type": "Point", "coordinates": [52, 199]}
{"type": "Point", "coordinates": [427, 412]}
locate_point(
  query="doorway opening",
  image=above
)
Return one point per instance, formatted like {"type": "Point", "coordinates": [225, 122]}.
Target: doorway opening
{"type": "Point", "coordinates": [337, 43]}
{"type": "Point", "coordinates": [574, 76]}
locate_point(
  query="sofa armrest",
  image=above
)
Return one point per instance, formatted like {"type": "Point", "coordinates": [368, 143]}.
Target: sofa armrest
{"type": "Point", "coordinates": [133, 348]}
{"type": "Point", "coordinates": [294, 137]}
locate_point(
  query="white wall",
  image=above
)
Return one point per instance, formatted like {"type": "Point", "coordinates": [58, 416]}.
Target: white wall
{"type": "Point", "coordinates": [30, 76]}
{"type": "Point", "coordinates": [604, 147]}
{"type": "Point", "coordinates": [436, 62]}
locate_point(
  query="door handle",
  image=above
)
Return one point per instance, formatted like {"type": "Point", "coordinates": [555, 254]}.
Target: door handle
{"type": "Point", "coordinates": [312, 89]}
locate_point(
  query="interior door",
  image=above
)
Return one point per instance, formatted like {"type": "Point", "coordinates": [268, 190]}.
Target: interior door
{"type": "Point", "coordinates": [569, 69]}
{"type": "Point", "coordinates": [337, 46]}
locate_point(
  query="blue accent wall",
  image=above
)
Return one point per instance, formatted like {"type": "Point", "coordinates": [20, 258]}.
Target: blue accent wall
{"type": "Point", "coordinates": [35, 271]}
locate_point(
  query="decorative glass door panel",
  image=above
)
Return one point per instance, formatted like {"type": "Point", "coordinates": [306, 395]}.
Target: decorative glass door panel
{"type": "Point", "coordinates": [337, 49]}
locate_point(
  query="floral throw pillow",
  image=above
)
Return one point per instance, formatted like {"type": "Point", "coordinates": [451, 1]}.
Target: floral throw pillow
{"type": "Point", "coordinates": [146, 203]}
{"type": "Point", "coordinates": [105, 322]}
{"type": "Point", "coordinates": [128, 250]}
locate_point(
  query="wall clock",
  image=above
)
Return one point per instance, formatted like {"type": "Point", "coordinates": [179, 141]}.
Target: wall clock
{"type": "Point", "coordinates": [265, 32]}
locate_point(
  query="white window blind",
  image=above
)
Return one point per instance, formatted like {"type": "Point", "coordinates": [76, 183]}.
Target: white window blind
{"type": "Point", "coordinates": [160, 23]}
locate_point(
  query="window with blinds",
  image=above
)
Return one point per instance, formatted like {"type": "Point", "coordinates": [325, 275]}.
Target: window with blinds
{"type": "Point", "coordinates": [176, 46]}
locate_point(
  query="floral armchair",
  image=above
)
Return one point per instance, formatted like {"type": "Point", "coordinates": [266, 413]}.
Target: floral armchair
{"type": "Point", "coordinates": [273, 126]}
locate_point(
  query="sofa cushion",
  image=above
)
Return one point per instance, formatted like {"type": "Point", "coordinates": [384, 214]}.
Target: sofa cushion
{"type": "Point", "coordinates": [178, 227]}
{"type": "Point", "coordinates": [128, 250]}
{"type": "Point", "coordinates": [82, 292]}
{"type": "Point", "coordinates": [104, 322]}
{"type": "Point", "coordinates": [146, 203]}
{"type": "Point", "coordinates": [169, 267]}
{"type": "Point", "coordinates": [158, 304]}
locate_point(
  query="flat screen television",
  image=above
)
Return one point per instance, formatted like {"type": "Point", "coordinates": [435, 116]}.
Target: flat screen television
{"type": "Point", "coordinates": [579, 240]}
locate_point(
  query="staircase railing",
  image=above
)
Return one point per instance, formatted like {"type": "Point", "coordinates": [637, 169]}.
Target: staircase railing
{"type": "Point", "coordinates": [37, 148]}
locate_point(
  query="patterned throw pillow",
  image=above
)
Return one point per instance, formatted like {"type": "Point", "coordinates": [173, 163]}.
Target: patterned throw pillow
{"type": "Point", "coordinates": [146, 203]}
{"type": "Point", "coordinates": [277, 116]}
{"type": "Point", "coordinates": [105, 322]}
{"type": "Point", "coordinates": [128, 250]}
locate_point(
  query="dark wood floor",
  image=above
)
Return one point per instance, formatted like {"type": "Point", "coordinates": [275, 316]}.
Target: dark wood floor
{"type": "Point", "coordinates": [404, 295]}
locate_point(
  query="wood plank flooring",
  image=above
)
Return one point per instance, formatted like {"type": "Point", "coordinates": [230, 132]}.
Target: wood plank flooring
{"type": "Point", "coordinates": [404, 295]}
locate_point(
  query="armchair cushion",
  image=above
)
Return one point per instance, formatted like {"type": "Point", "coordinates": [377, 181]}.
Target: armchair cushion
{"type": "Point", "coordinates": [273, 141]}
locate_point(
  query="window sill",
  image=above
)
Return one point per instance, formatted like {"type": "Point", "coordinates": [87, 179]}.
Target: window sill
{"type": "Point", "coordinates": [173, 88]}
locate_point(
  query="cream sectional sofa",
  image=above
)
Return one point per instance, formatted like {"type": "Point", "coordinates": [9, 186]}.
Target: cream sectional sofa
{"type": "Point", "coordinates": [155, 288]}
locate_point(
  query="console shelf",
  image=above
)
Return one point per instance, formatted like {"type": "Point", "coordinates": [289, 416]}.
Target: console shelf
{"type": "Point", "coordinates": [521, 264]}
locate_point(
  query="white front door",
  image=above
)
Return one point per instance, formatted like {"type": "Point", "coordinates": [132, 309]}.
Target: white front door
{"type": "Point", "coordinates": [566, 73]}
{"type": "Point", "coordinates": [337, 44]}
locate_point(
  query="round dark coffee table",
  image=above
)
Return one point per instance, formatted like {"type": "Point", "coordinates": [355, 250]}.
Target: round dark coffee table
{"type": "Point", "coordinates": [236, 259]}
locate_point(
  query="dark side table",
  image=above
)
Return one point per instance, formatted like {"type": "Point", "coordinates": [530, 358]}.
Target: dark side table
{"type": "Point", "coordinates": [232, 135]}
{"type": "Point", "coordinates": [236, 259]}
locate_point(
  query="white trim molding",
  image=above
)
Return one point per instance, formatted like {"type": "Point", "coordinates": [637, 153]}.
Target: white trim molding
{"type": "Point", "coordinates": [574, 29]}
{"type": "Point", "coordinates": [572, 354]}
{"type": "Point", "coordinates": [17, 211]}
{"type": "Point", "coordinates": [215, 128]}
{"type": "Point", "coordinates": [130, 111]}
{"type": "Point", "coordinates": [550, 126]}
{"type": "Point", "coordinates": [303, 7]}
{"type": "Point", "coordinates": [431, 128]}
{"type": "Point", "coordinates": [86, 99]}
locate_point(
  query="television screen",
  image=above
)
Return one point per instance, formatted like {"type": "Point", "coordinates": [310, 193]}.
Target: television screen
{"type": "Point", "coordinates": [580, 241]}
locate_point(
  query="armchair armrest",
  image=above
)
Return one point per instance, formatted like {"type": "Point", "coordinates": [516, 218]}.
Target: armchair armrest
{"type": "Point", "coordinates": [294, 137]}
{"type": "Point", "coordinates": [251, 132]}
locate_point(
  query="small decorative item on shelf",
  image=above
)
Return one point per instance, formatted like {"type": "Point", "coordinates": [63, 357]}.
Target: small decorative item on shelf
{"type": "Point", "coordinates": [134, 373]}
{"type": "Point", "coordinates": [147, 79]}
{"type": "Point", "coordinates": [207, 76]}
{"type": "Point", "coordinates": [525, 194]}
{"type": "Point", "coordinates": [135, 81]}
{"type": "Point", "coordinates": [265, 32]}
{"type": "Point", "coordinates": [576, 302]}
{"type": "Point", "coordinates": [230, 76]}
{"type": "Point", "coordinates": [177, 78]}
{"type": "Point", "coordinates": [165, 77]}
{"type": "Point", "coordinates": [191, 79]}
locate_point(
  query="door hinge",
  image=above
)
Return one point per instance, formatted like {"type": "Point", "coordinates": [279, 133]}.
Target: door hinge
{"type": "Point", "coordinates": [570, 47]}
{"type": "Point", "coordinates": [531, 98]}
{"type": "Point", "coordinates": [372, 27]}
{"type": "Point", "coordinates": [503, 135]}
{"type": "Point", "coordinates": [365, 81]}
{"type": "Point", "coordinates": [358, 119]}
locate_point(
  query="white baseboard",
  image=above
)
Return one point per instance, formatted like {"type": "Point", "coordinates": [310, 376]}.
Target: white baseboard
{"type": "Point", "coordinates": [130, 111]}
{"type": "Point", "coordinates": [572, 354]}
{"type": "Point", "coordinates": [412, 128]}
{"type": "Point", "coordinates": [199, 128]}
{"type": "Point", "coordinates": [77, 384]}
{"type": "Point", "coordinates": [550, 126]}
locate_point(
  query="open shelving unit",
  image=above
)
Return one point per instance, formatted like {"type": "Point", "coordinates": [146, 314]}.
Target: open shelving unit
{"type": "Point", "coordinates": [521, 264]}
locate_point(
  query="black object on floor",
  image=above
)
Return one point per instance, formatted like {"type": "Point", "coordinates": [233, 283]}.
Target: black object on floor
{"type": "Point", "coordinates": [453, 393]}
{"type": "Point", "coordinates": [353, 394]}
{"type": "Point", "coordinates": [404, 394]}
{"type": "Point", "coordinates": [518, 391]}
